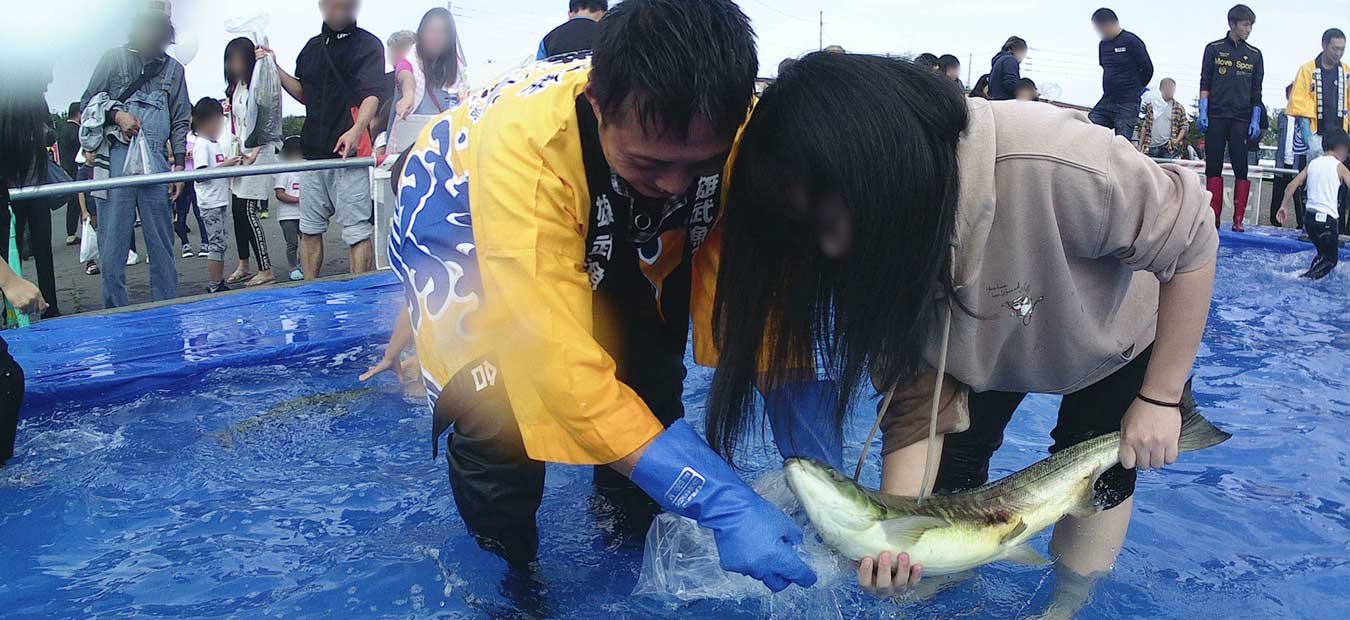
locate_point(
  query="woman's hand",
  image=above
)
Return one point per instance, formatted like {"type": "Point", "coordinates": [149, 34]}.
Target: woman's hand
{"type": "Point", "coordinates": [262, 51]}
{"type": "Point", "coordinates": [1149, 435]}
{"type": "Point", "coordinates": [249, 157]}
{"type": "Point", "coordinates": [886, 576]}
{"type": "Point", "coordinates": [404, 107]}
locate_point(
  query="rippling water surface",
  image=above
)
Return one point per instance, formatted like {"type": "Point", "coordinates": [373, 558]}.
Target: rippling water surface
{"type": "Point", "coordinates": [246, 497]}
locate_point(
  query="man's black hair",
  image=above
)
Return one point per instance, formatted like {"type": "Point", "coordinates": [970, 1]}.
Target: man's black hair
{"type": "Point", "coordinates": [1026, 83]}
{"type": "Point", "coordinates": [576, 6]}
{"type": "Point", "coordinates": [926, 60]}
{"type": "Point", "coordinates": [1331, 35]}
{"type": "Point", "coordinates": [947, 61]}
{"type": "Point", "coordinates": [1105, 16]}
{"type": "Point", "coordinates": [667, 61]}
{"type": "Point", "coordinates": [1241, 13]}
{"type": "Point", "coordinates": [74, 109]}
{"type": "Point", "coordinates": [834, 126]}
{"type": "Point", "coordinates": [1334, 139]}
{"type": "Point", "coordinates": [1015, 43]}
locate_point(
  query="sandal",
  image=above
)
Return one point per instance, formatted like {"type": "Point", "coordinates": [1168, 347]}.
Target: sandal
{"type": "Point", "coordinates": [257, 282]}
{"type": "Point", "coordinates": [91, 269]}
{"type": "Point", "coordinates": [237, 277]}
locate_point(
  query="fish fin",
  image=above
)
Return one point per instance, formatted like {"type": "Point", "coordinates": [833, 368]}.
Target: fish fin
{"type": "Point", "coordinates": [1028, 555]}
{"type": "Point", "coordinates": [1197, 433]}
{"type": "Point", "coordinates": [906, 531]}
{"type": "Point", "coordinates": [1015, 532]}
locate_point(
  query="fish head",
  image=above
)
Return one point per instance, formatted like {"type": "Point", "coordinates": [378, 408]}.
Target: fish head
{"type": "Point", "coordinates": [836, 505]}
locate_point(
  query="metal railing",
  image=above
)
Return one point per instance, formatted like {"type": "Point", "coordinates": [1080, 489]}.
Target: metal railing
{"type": "Point", "coordinates": [53, 190]}
{"type": "Point", "coordinates": [1200, 163]}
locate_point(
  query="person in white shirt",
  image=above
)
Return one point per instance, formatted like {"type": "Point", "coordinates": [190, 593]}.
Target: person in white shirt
{"type": "Point", "coordinates": [1324, 177]}
{"type": "Point", "coordinates": [213, 196]}
{"type": "Point", "coordinates": [288, 205]}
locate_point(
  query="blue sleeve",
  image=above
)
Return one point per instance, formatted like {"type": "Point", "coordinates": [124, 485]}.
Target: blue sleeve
{"type": "Point", "coordinates": [1009, 76]}
{"type": "Point", "coordinates": [1142, 60]}
{"type": "Point", "coordinates": [543, 51]}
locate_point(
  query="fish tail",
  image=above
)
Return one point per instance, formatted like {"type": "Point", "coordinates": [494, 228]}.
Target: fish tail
{"type": "Point", "coordinates": [1197, 433]}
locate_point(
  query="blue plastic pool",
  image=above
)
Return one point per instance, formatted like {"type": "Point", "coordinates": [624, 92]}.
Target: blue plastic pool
{"type": "Point", "coordinates": [170, 466]}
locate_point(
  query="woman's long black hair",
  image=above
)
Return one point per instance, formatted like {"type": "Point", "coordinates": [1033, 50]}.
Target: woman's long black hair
{"type": "Point", "coordinates": [440, 70]}
{"type": "Point", "coordinates": [881, 134]}
{"type": "Point", "coordinates": [23, 125]}
{"type": "Point", "coordinates": [242, 46]}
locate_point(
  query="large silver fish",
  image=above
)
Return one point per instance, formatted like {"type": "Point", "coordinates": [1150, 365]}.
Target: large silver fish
{"type": "Point", "coordinates": [957, 532]}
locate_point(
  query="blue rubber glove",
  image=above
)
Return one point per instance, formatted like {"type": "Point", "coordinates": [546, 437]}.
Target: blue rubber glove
{"type": "Point", "coordinates": [1203, 119]}
{"type": "Point", "coordinates": [1254, 129]}
{"type": "Point", "coordinates": [753, 537]}
{"type": "Point", "coordinates": [802, 418]}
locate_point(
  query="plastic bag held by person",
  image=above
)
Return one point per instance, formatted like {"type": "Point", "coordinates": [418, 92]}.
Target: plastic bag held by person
{"type": "Point", "coordinates": [88, 243]}
{"type": "Point", "coordinates": [138, 158]}
{"type": "Point", "coordinates": [261, 122]}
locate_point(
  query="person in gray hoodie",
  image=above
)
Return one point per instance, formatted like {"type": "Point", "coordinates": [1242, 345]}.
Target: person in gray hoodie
{"type": "Point", "coordinates": [960, 253]}
{"type": "Point", "coordinates": [1006, 69]}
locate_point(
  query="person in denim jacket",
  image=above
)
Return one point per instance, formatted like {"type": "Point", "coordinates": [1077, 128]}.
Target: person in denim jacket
{"type": "Point", "coordinates": [157, 109]}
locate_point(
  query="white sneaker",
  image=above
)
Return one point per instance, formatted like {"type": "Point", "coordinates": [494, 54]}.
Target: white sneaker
{"type": "Point", "coordinates": [133, 258]}
{"type": "Point", "coordinates": [187, 251]}
{"type": "Point", "coordinates": [201, 252]}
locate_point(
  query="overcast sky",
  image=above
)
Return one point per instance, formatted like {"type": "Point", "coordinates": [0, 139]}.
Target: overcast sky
{"type": "Point", "coordinates": [500, 34]}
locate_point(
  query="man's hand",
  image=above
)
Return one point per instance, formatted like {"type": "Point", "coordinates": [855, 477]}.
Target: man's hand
{"type": "Point", "coordinates": [23, 294]}
{"type": "Point", "coordinates": [175, 190]}
{"type": "Point", "coordinates": [1282, 215]}
{"type": "Point", "coordinates": [887, 576]}
{"type": "Point", "coordinates": [348, 142]}
{"type": "Point", "coordinates": [1149, 435]}
{"type": "Point", "coordinates": [128, 123]}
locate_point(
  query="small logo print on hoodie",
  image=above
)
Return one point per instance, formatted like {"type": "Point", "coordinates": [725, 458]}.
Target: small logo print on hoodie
{"type": "Point", "coordinates": [1018, 300]}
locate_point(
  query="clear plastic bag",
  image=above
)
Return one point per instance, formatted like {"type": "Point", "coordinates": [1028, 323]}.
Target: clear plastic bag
{"type": "Point", "coordinates": [260, 123]}
{"type": "Point", "coordinates": [138, 157]}
{"type": "Point", "coordinates": [88, 243]}
{"type": "Point", "coordinates": [680, 564]}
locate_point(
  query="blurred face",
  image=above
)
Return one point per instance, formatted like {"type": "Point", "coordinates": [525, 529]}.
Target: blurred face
{"type": "Point", "coordinates": [339, 13]}
{"type": "Point", "coordinates": [833, 226]}
{"type": "Point", "coordinates": [238, 67]}
{"type": "Point", "coordinates": [1333, 51]}
{"type": "Point", "coordinates": [1106, 31]}
{"type": "Point", "coordinates": [398, 53]}
{"type": "Point", "coordinates": [434, 39]}
{"type": "Point", "coordinates": [1241, 30]}
{"type": "Point", "coordinates": [1020, 55]}
{"type": "Point", "coordinates": [151, 36]}
{"type": "Point", "coordinates": [211, 128]}
{"type": "Point", "coordinates": [1026, 94]}
{"type": "Point", "coordinates": [1168, 90]}
{"type": "Point", "coordinates": [659, 164]}
{"type": "Point", "coordinates": [954, 72]}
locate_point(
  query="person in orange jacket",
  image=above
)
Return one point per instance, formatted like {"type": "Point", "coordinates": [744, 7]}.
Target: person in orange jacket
{"type": "Point", "coordinates": [555, 234]}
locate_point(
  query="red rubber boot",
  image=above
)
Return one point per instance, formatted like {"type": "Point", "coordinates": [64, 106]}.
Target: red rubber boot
{"type": "Point", "coordinates": [1215, 187]}
{"type": "Point", "coordinates": [1242, 190]}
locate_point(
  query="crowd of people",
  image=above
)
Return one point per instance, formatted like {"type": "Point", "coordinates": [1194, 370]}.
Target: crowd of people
{"type": "Point", "coordinates": [550, 296]}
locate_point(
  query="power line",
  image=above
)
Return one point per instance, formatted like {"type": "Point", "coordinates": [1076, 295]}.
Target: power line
{"type": "Point", "coordinates": [784, 13]}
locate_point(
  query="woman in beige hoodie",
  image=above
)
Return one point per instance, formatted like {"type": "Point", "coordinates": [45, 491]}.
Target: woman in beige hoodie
{"type": "Point", "coordinates": [885, 226]}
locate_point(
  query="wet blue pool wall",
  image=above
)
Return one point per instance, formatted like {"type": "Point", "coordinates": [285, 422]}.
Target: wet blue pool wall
{"type": "Point", "coordinates": [114, 357]}
{"type": "Point", "coordinates": [123, 355]}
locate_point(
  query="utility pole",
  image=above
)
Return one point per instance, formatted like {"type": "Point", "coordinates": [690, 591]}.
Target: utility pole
{"type": "Point", "coordinates": [821, 45]}
{"type": "Point", "coordinates": [970, 65]}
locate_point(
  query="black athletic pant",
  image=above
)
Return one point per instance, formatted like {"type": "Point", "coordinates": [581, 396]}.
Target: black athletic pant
{"type": "Point", "coordinates": [1091, 412]}
{"type": "Point", "coordinates": [1230, 133]}
{"type": "Point", "coordinates": [11, 396]}
{"type": "Point", "coordinates": [73, 216]}
{"type": "Point", "coordinates": [1325, 236]}
{"type": "Point", "coordinates": [248, 230]}
{"type": "Point", "coordinates": [35, 218]}
{"type": "Point", "coordinates": [497, 487]}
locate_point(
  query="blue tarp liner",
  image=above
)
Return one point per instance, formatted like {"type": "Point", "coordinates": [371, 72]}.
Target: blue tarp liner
{"type": "Point", "coordinates": [122, 355]}
{"type": "Point", "coordinates": [113, 357]}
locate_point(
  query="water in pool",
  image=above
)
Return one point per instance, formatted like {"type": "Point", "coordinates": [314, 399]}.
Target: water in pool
{"type": "Point", "coordinates": [215, 502]}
